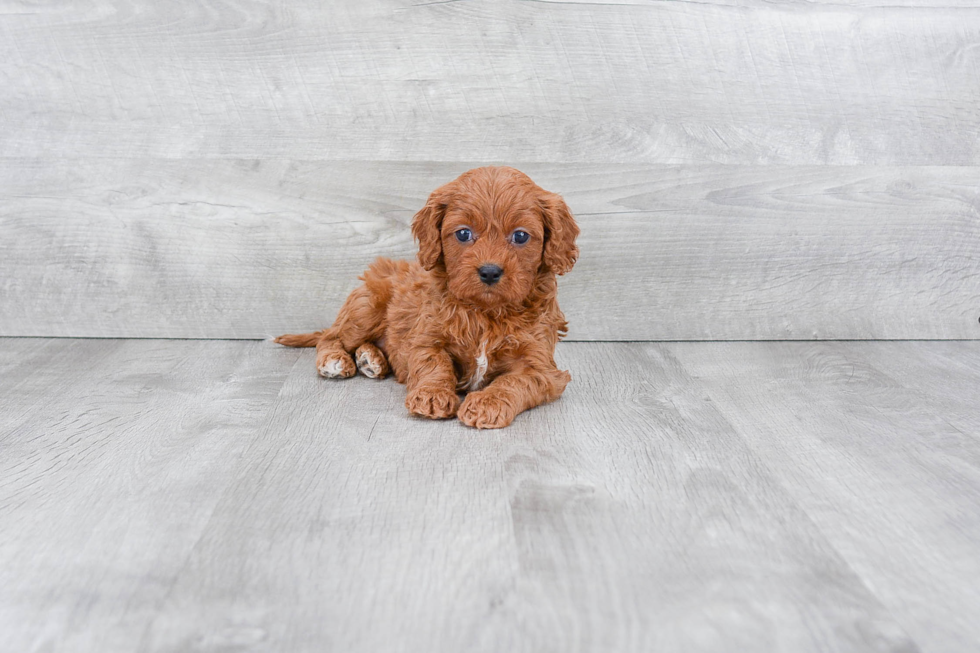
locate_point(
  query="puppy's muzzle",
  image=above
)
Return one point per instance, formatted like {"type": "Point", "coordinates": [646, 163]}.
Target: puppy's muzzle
{"type": "Point", "coordinates": [490, 274]}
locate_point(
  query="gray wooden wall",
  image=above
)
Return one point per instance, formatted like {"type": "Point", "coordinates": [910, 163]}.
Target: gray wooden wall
{"type": "Point", "coordinates": [741, 169]}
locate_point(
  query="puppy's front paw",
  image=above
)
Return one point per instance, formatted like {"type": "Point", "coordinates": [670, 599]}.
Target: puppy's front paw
{"type": "Point", "coordinates": [435, 403]}
{"type": "Point", "coordinates": [335, 365]}
{"type": "Point", "coordinates": [485, 410]}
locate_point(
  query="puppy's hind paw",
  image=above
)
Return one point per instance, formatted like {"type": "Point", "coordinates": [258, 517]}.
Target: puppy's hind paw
{"type": "Point", "coordinates": [371, 361]}
{"type": "Point", "coordinates": [336, 365]}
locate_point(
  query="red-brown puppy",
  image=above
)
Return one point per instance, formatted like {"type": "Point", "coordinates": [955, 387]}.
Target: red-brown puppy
{"type": "Point", "coordinates": [478, 314]}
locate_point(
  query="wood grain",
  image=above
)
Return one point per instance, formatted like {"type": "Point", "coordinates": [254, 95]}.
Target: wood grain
{"type": "Point", "coordinates": [114, 455]}
{"type": "Point", "coordinates": [852, 82]}
{"type": "Point", "coordinates": [246, 249]}
{"type": "Point", "coordinates": [219, 495]}
{"type": "Point", "coordinates": [872, 459]}
{"type": "Point", "coordinates": [944, 376]}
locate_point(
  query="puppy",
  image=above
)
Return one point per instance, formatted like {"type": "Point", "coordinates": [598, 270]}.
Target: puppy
{"type": "Point", "coordinates": [477, 315]}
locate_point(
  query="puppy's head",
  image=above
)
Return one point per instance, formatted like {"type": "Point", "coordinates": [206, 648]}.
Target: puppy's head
{"type": "Point", "coordinates": [494, 231]}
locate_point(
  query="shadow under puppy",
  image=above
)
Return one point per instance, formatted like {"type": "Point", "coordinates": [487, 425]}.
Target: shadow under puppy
{"type": "Point", "coordinates": [478, 314]}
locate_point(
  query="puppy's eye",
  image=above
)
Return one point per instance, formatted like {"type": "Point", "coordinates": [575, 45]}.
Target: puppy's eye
{"type": "Point", "coordinates": [520, 237]}
{"type": "Point", "coordinates": [464, 235]}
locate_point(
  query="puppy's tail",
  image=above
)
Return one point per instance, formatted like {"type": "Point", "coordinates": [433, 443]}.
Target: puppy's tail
{"type": "Point", "coordinates": [299, 339]}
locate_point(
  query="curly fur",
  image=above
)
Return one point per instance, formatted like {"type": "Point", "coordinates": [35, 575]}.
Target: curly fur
{"type": "Point", "coordinates": [440, 328]}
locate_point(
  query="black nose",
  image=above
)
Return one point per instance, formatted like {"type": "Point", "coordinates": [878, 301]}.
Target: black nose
{"type": "Point", "coordinates": [490, 274]}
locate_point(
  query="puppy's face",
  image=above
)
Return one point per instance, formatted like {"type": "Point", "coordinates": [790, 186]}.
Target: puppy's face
{"type": "Point", "coordinates": [494, 231]}
{"type": "Point", "coordinates": [492, 240]}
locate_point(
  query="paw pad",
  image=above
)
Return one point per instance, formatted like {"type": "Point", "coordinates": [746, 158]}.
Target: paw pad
{"type": "Point", "coordinates": [371, 362]}
{"type": "Point", "coordinates": [336, 366]}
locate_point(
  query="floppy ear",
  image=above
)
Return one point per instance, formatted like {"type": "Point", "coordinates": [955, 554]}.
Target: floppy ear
{"type": "Point", "coordinates": [427, 226]}
{"type": "Point", "coordinates": [560, 232]}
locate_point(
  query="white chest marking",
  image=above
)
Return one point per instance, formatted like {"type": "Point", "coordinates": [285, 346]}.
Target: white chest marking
{"type": "Point", "coordinates": [481, 369]}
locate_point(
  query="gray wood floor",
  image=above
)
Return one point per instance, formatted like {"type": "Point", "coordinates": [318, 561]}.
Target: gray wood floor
{"type": "Point", "coordinates": [218, 496]}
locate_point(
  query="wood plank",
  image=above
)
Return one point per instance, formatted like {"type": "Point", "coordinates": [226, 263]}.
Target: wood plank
{"type": "Point", "coordinates": [112, 461]}
{"type": "Point", "coordinates": [20, 357]}
{"type": "Point", "coordinates": [246, 249]}
{"type": "Point", "coordinates": [628, 516]}
{"type": "Point", "coordinates": [943, 376]}
{"type": "Point", "coordinates": [875, 464]}
{"type": "Point", "coordinates": [843, 82]}
{"type": "Point", "coordinates": [830, 4]}
{"type": "Point", "coordinates": [39, 372]}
